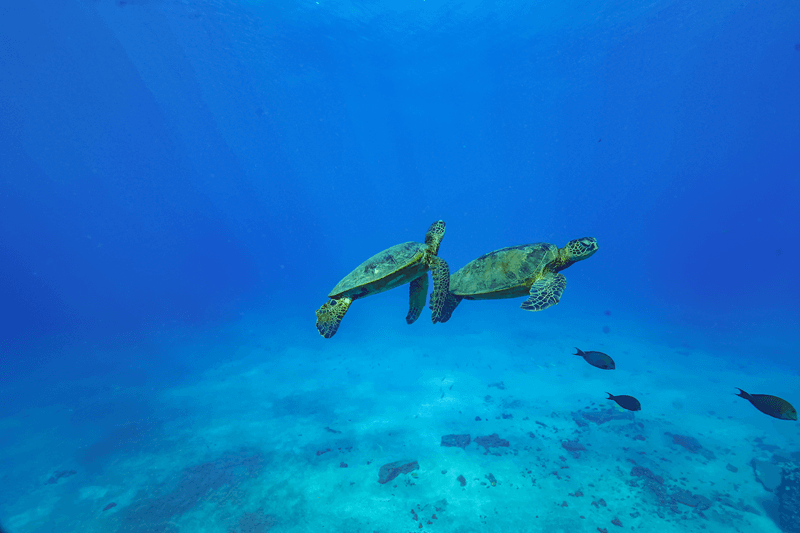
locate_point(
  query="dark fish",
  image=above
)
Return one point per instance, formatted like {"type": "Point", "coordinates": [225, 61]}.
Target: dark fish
{"type": "Point", "coordinates": [770, 405]}
{"type": "Point", "coordinates": [598, 359]}
{"type": "Point", "coordinates": [626, 402]}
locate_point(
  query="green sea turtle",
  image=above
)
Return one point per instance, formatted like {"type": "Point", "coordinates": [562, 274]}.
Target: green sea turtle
{"type": "Point", "coordinates": [403, 263]}
{"type": "Point", "coordinates": [528, 269]}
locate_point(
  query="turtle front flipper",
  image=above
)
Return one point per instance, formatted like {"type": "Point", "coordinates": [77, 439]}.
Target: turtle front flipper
{"type": "Point", "coordinates": [416, 298]}
{"type": "Point", "coordinates": [545, 292]}
{"type": "Point", "coordinates": [450, 304]}
{"type": "Point", "coordinates": [330, 315]}
{"type": "Point", "coordinates": [441, 287]}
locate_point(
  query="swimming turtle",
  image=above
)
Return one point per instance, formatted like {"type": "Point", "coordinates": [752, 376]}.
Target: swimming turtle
{"type": "Point", "coordinates": [528, 269]}
{"type": "Point", "coordinates": [395, 266]}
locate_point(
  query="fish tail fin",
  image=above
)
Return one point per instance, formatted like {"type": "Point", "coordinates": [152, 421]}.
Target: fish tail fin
{"type": "Point", "coordinates": [580, 352]}
{"type": "Point", "coordinates": [610, 396]}
{"type": "Point", "coordinates": [743, 394]}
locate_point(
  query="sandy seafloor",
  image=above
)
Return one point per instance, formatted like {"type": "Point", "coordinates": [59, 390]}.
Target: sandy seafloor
{"type": "Point", "coordinates": [238, 448]}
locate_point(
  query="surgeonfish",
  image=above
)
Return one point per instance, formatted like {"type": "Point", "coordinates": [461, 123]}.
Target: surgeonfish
{"type": "Point", "coordinates": [770, 405]}
{"type": "Point", "coordinates": [626, 402]}
{"type": "Point", "coordinates": [597, 359]}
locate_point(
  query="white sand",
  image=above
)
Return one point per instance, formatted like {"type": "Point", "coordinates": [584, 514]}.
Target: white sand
{"type": "Point", "coordinates": [393, 390]}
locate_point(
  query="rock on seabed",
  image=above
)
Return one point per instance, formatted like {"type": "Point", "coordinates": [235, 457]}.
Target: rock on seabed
{"type": "Point", "coordinates": [789, 500]}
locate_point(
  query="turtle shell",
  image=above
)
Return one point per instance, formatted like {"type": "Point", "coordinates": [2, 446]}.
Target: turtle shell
{"type": "Point", "coordinates": [504, 273]}
{"type": "Point", "coordinates": [385, 270]}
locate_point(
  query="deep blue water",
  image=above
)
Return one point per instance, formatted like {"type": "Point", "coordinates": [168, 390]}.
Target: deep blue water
{"type": "Point", "coordinates": [168, 168]}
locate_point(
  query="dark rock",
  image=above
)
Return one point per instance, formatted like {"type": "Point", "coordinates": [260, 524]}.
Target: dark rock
{"type": "Point", "coordinates": [685, 497]}
{"type": "Point", "coordinates": [456, 441]}
{"type": "Point", "coordinates": [154, 511]}
{"type": "Point", "coordinates": [512, 404]}
{"type": "Point", "coordinates": [764, 446]}
{"type": "Point", "coordinates": [617, 522]}
{"type": "Point", "coordinates": [659, 493]}
{"type": "Point", "coordinates": [507, 416]}
{"type": "Point", "coordinates": [731, 468]}
{"type": "Point", "coordinates": [646, 473]}
{"type": "Point", "coordinates": [255, 522]}
{"type": "Point", "coordinates": [477, 419]}
{"type": "Point", "coordinates": [789, 500]}
{"type": "Point", "coordinates": [109, 506]}
{"type": "Point", "coordinates": [739, 506]}
{"type": "Point", "coordinates": [691, 444]}
{"type": "Point", "coordinates": [342, 465]}
{"type": "Point", "coordinates": [573, 446]}
{"type": "Point", "coordinates": [603, 415]}
{"type": "Point", "coordinates": [391, 470]}
{"type": "Point", "coordinates": [58, 475]}
{"type": "Point", "coordinates": [491, 441]}
{"type": "Point", "coordinates": [500, 385]}
{"type": "Point", "coordinates": [462, 481]}
{"type": "Point", "coordinates": [768, 474]}
{"type": "Point", "coordinates": [491, 479]}
{"type": "Point", "coordinates": [330, 430]}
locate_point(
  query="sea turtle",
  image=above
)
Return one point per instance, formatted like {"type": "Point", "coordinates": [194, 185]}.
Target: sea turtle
{"type": "Point", "coordinates": [395, 266]}
{"type": "Point", "coordinates": [528, 269]}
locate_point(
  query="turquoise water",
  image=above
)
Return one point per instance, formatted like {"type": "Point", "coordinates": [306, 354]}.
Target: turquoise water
{"type": "Point", "coordinates": [183, 183]}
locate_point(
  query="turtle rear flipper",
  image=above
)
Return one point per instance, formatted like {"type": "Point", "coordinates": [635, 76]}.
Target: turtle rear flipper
{"type": "Point", "coordinates": [450, 304]}
{"type": "Point", "coordinates": [441, 287]}
{"type": "Point", "coordinates": [416, 298]}
{"type": "Point", "coordinates": [330, 315]}
{"type": "Point", "coordinates": [545, 292]}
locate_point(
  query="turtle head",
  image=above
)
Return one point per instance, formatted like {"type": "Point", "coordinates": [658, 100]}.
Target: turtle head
{"type": "Point", "coordinates": [577, 250]}
{"type": "Point", "coordinates": [434, 236]}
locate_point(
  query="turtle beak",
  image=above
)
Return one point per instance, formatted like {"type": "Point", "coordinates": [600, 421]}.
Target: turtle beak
{"type": "Point", "coordinates": [587, 246]}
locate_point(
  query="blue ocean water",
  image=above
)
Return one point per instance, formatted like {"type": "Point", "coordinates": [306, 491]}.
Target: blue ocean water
{"type": "Point", "coordinates": [182, 182]}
